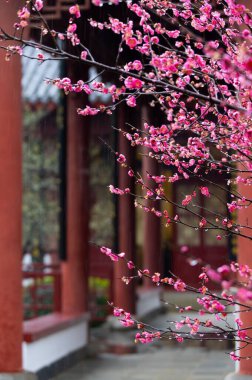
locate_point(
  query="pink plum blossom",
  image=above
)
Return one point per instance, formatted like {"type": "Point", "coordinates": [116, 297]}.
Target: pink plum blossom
{"type": "Point", "coordinates": [130, 265]}
{"type": "Point", "coordinates": [131, 101]}
{"type": "Point", "coordinates": [75, 10]}
{"type": "Point", "coordinates": [39, 5]}
{"type": "Point", "coordinates": [180, 286]}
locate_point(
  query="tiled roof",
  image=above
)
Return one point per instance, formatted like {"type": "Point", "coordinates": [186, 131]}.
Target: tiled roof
{"type": "Point", "coordinates": [34, 74]}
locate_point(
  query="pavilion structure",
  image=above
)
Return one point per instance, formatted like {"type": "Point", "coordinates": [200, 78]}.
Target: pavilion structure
{"type": "Point", "coordinates": [39, 346]}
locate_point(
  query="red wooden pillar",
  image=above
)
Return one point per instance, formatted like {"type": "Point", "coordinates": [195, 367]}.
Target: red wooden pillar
{"type": "Point", "coordinates": [75, 268]}
{"type": "Point", "coordinates": [245, 257]}
{"type": "Point", "coordinates": [10, 204]}
{"type": "Point", "coordinates": [124, 295]}
{"type": "Point", "coordinates": [152, 227]}
{"type": "Point", "coordinates": [244, 246]}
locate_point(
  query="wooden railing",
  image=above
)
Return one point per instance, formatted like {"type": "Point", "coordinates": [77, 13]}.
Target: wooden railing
{"type": "Point", "coordinates": [41, 290]}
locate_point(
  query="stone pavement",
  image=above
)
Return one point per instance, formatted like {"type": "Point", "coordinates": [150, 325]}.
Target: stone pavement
{"type": "Point", "coordinates": [162, 360]}
{"type": "Point", "coordinates": [158, 363]}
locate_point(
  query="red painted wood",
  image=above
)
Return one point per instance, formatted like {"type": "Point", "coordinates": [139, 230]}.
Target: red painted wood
{"type": "Point", "coordinates": [124, 295]}
{"type": "Point", "coordinates": [41, 327]}
{"type": "Point", "coordinates": [75, 268]}
{"type": "Point", "coordinates": [10, 202]}
{"type": "Point", "coordinates": [245, 257]}
{"type": "Point", "coordinates": [151, 224]}
{"type": "Point", "coordinates": [36, 302]}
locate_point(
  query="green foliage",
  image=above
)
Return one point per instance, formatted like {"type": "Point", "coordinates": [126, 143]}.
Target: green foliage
{"type": "Point", "coordinates": [40, 179]}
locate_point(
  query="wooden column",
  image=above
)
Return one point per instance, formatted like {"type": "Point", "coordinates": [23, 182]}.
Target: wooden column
{"type": "Point", "coordinates": [152, 227]}
{"type": "Point", "coordinates": [75, 267]}
{"type": "Point", "coordinates": [244, 247]}
{"type": "Point", "coordinates": [245, 257]}
{"type": "Point", "coordinates": [124, 295]}
{"type": "Point", "coordinates": [11, 316]}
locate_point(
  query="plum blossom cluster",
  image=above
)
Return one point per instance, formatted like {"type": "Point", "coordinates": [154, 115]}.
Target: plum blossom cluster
{"type": "Point", "coordinates": [146, 337]}
{"type": "Point", "coordinates": [215, 306]}
{"type": "Point", "coordinates": [24, 13]}
{"type": "Point", "coordinates": [213, 67]}
{"type": "Point", "coordinates": [223, 275]}
{"type": "Point", "coordinates": [234, 278]}
{"type": "Point", "coordinates": [124, 317]}
{"type": "Point", "coordinates": [156, 278]}
{"type": "Point", "coordinates": [193, 82]}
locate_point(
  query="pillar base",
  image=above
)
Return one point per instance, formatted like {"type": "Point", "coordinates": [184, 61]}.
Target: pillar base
{"type": "Point", "coordinates": [18, 376]}
{"type": "Point", "coordinates": [236, 376]}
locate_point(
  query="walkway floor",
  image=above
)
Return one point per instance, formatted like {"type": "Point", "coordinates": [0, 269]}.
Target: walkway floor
{"type": "Point", "coordinates": [159, 361]}
{"type": "Point", "coordinates": [154, 364]}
